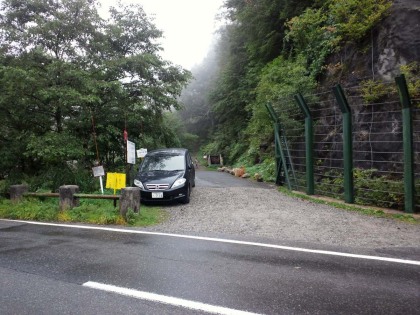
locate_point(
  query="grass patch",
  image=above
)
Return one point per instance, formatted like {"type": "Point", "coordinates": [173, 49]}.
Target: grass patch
{"type": "Point", "coordinates": [90, 211]}
{"type": "Point", "coordinates": [350, 207]}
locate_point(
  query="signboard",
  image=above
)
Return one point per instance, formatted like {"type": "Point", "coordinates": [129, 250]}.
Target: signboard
{"type": "Point", "coordinates": [131, 152]}
{"type": "Point", "coordinates": [141, 153]}
{"type": "Point", "coordinates": [98, 171]}
{"type": "Point", "coordinates": [115, 181]}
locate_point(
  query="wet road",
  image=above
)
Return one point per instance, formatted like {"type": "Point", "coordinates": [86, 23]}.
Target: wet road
{"type": "Point", "coordinates": [221, 180]}
{"type": "Point", "coordinates": [68, 270]}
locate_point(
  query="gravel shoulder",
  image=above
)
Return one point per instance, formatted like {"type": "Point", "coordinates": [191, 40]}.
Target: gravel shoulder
{"type": "Point", "coordinates": [261, 211]}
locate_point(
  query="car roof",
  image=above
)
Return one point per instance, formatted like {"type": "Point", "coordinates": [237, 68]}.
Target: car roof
{"type": "Point", "coordinates": [168, 151]}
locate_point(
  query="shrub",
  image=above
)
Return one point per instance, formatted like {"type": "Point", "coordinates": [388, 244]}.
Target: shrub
{"type": "Point", "coordinates": [375, 91]}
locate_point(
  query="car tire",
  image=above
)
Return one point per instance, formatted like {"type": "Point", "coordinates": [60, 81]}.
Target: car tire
{"type": "Point", "coordinates": [186, 199]}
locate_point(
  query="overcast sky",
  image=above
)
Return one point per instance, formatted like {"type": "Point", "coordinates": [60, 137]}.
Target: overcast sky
{"type": "Point", "coordinates": [188, 26]}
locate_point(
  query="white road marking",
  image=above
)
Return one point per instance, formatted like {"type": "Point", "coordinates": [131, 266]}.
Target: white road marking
{"type": "Point", "coordinates": [166, 299]}
{"type": "Point", "coordinates": [220, 240]}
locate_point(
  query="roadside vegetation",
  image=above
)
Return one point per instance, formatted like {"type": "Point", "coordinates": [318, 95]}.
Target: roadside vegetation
{"type": "Point", "coordinates": [370, 211]}
{"type": "Point", "coordinates": [100, 212]}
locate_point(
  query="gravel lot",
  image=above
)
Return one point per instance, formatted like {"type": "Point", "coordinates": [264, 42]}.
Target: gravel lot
{"type": "Point", "coordinates": [259, 211]}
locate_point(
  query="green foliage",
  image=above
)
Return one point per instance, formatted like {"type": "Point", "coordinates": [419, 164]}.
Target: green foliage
{"type": "Point", "coordinates": [354, 18]}
{"type": "Point", "coordinates": [363, 210]}
{"type": "Point", "coordinates": [94, 212]}
{"type": "Point", "coordinates": [29, 209]}
{"type": "Point", "coordinates": [371, 188]}
{"type": "Point", "coordinates": [310, 34]}
{"type": "Point", "coordinates": [90, 211]}
{"type": "Point", "coordinates": [279, 79]}
{"type": "Point", "coordinates": [262, 24]}
{"type": "Point", "coordinates": [331, 184]}
{"type": "Point", "coordinates": [70, 174]}
{"type": "Point", "coordinates": [4, 188]}
{"type": "Point", "coordinates": [70, 82]}
{"type": "Point", "coordinates": [131, 216]}
{"type": "Point", "coordinates": [267, 168]}
{"type": "Point", "coordinates": [190, 141]}
{"type": "Point", "coordinates": [318, 32]}
{"type": "Point", "coordinates": [53, 148]}
{"type": "Point", "coordinates": [411, 72]}
{"type": "Point", "coordinates": [379, 190]}
{"type": "Point", "coordinates": [375, 91]}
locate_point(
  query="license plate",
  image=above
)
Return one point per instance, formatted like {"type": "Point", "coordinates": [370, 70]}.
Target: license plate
{"type": "Point", "coordinates": [157, 194]}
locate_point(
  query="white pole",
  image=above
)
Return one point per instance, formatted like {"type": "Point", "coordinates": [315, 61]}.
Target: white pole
{"type": "Point", "coordinates": [102, 185]}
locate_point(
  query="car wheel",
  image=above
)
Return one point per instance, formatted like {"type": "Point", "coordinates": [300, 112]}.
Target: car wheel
{"type": "Point", "coordinates": [186, 199]}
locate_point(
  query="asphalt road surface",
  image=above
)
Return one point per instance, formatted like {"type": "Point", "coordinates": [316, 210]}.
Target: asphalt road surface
{"type": "Point", "coordinates": [82, 269]}
{"type": "Point", "coordinates": [91, 270]}
{"type": "Point", "coordinates": [222, 180]}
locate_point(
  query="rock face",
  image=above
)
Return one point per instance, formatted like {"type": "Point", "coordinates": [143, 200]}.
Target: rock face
{"type": "Point", "coordinates": [397, 39]}
{"type": "Point", "coordinates": [394, 42]}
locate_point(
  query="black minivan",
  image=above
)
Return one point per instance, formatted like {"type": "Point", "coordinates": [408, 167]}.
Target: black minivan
{"type": "Point", "coordinates": [166, 174]}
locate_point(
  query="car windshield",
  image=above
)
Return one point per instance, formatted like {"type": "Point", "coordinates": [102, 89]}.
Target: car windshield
{"type": "Point", "coordinates": [163, 163]}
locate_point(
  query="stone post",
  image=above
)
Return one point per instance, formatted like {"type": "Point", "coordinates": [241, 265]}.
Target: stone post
{"type": "Point", "coordinates": [130, 199]}
{"type": "Point", "coordinates": [67, 199]}
{"type": "Point", "coordinates": [17, 191]}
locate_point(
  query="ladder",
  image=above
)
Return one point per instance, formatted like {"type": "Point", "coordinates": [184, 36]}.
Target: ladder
{"type": "Point", "coordinates": [284, 165]}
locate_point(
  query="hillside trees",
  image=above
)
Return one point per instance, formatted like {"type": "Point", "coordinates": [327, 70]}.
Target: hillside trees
{"type": "Point", "coordinates": [252, 39]}
{"type": "Point", "coordinates": [66, 73]}
{"type": "Point", "coordinates": [270, 50]}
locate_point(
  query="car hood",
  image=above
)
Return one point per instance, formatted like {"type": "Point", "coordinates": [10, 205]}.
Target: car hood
{"type": "Point", "coordinates": [159, 177]}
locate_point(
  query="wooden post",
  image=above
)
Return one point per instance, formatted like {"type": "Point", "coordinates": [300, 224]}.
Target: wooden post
{"type": "Point", "coordinates": [67, 198]}
{"type": "Point", "coordinates": [130, 199]}
{"type": "Point", "coordinates": [17, 191]}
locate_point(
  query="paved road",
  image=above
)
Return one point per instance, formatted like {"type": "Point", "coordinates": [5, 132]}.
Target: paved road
{"type": "Point", "coordinates": [59, 269]}
{"type": "Point", "coordinates": [48, 269]}
{"type": "Point", "coordinates": [224, 180]}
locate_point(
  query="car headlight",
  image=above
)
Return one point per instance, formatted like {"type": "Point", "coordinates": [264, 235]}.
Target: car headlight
{"type": "Point", "coordinates": [179, 182]}
{"type": "Point", "coordinates": [138, 183]}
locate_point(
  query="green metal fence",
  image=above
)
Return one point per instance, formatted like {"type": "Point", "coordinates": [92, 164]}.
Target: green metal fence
{"type": "Point", "coordinates": [357, 143]}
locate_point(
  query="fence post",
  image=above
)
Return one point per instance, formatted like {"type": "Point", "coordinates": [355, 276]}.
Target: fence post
{"type": "Point", "coordinates": [409, 188]}
{"type": "Point", "coordinates": [309, 144]}
{"type": "Point", "coordinates": [347, 143]}
{"type": "Point", "coordinates": [276, 124]}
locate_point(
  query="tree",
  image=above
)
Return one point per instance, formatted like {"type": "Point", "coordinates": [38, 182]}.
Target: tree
{"type": "Point", "coordinates": [253, 38]}
{"type": "Point", "coordinates": [63, 67]}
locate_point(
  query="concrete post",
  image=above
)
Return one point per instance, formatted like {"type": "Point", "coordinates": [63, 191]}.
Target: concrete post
{"type": "Point", "coordinates": [17, 191]}
{"type": "Point", "coordinates": [130, 199]}
{"type": "Point", "coordinates": [67, 199]}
